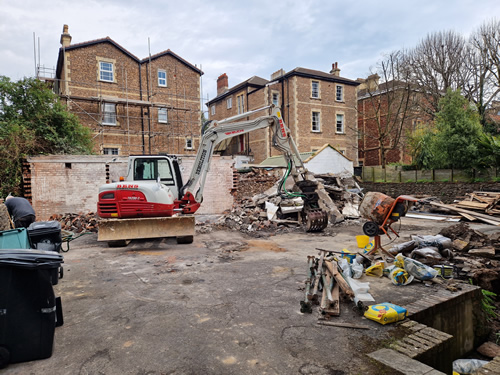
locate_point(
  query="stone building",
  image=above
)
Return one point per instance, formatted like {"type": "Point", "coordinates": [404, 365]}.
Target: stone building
{"type": "Point", "coordinates": [132, 105]}
{"type": "Point", "coordinates": [318, 108]}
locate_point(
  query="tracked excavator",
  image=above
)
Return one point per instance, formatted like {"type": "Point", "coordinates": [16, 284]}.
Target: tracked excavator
{"type": "Point", "coordinates": [152, 201]}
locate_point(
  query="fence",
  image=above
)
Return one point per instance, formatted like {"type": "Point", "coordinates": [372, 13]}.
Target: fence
{"type": "Point", "coordinates": [397, 174]}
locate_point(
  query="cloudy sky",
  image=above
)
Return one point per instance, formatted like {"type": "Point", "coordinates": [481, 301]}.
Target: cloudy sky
{"type": "Point", "coordinates": [240, 38]}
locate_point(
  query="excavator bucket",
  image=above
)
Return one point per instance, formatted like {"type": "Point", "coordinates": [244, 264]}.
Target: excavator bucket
{"type": "Point", "coordinates": [148, 227]}
{"type": "Point", "coordinates": [316, 221]}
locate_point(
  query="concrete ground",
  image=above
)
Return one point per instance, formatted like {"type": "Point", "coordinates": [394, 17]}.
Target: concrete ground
{"type": "Point", "coordinates": [226, 304]}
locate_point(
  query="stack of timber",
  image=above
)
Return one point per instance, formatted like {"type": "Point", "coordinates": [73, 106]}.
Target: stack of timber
{"type": "Point", "coordinates": [324, 285]}
{"type": "Point", "coordinates": [480, 205]}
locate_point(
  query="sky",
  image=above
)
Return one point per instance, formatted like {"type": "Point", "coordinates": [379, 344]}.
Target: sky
{"type": "Point", "coordinates": [239, 38]}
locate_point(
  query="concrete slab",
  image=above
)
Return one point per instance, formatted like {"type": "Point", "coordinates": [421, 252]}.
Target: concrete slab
{"type": "Point", "coordinates": [226, 304]}
{"type": "Point", "coordinates": [402, 364]}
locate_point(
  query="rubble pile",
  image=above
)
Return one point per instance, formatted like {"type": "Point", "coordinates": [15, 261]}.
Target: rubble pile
{"type": "Point", "coordinates": [254, 182]}
{"type": "Point", "coordinates": [344, 191]}
{"type": "Point", "coordinates": [77, 223]}
{"type": "Point", "coordinates": [259, 207]}
{"type": "Point", "coordinates": [476, 255]}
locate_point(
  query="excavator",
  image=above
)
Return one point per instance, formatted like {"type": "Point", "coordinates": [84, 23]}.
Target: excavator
{"type": "Point", "coordinates": [152, 201]}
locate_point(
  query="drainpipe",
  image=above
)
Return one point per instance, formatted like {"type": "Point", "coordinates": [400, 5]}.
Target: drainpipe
{"type": "Point", "coordinates": [247, 136]}
{"type": "Point", "coordinates": [149, 107]}
{"type": "Point", "coordinates": [142, 108]}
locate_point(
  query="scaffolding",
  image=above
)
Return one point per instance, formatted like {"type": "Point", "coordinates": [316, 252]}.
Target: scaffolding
{"type": "Point", "coordinates": [138, 129]}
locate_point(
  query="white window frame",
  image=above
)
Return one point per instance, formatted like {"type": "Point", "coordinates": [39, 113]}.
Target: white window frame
{"type": "Point", "coordinates": [229, 103]}
{"type": "Point", "coordinates": [110, 151]}
{"type": "Point", "coordinates": [315, 90]}
{"type": "Point", "coordinates": [276, 99]}
{"type": "Point", "coordinates": [339, 95]}
{"type": "Point", "coordinates": [341, 123]}
{"type": "Point", "coordinates": [240, 99]}
{"type": "Point", "coordinates": [212, 110]}
{"type": "Point", "coordinates": [104, 72]}
{"type": "Point", "coordinates": [162, 81]}
{"type": "Point", "coordinates": [109, 113]}
{"type": "Point", "coordinates": [162, 115]}
{"type": "Point", "coordinates": [316, 122]}
{"type": "Point", "coordinates": [189, 144]}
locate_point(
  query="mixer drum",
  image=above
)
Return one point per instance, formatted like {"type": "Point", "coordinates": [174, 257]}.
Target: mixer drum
{"type": "Point", "coordinates": [376, 206]}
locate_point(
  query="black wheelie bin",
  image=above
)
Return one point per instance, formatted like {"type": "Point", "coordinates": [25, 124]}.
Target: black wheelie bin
{"type": "Point", "coordinates": [28, 312]}
{"type": "Point", "coordinates": [45, 235]}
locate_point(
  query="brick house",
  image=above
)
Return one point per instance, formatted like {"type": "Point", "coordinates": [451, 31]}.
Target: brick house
{"type": "Point", "coordinates": [318, 108]}
{"type": "Point", "coordinates": [388, 113]}
{"type": "Point", "coordinates": [132, 105]}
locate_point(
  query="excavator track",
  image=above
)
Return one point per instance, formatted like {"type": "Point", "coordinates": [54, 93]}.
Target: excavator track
{"type": "Point", "coordinates": [316, 220]}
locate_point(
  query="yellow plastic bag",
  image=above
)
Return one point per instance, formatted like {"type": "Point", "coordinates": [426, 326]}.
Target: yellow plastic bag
{"type": "Point", "coordinates": [376, 270]}
{"type": "Point", "coordinates": [399, 276]}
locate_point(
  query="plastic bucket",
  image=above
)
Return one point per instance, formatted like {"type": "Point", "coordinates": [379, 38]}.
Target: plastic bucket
{"type": "Point", "coordinates": [362, 241]}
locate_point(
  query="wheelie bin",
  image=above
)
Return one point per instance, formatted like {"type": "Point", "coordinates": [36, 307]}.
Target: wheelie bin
{"type": "Point", "coordinates": [28, 312]}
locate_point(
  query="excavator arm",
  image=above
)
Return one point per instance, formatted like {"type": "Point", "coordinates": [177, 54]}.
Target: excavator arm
{"type": "Point", "coordinates": [216, 132]}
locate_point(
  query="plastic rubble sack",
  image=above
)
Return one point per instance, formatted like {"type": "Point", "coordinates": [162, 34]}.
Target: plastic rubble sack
{"type": "Point", "coordinates": [369, 247]}
{"type": "Point", "coordinates": [467, 366]}
{"type": "Point", "coordinates": [345, 267]}
{"type": "Point", "coordinates": [439, 241]}
{"type": "Point", "coordinates": [399, 276]}
{"type": "Point", "coordinates": [376, 270]}
{"type": "Point", "coordinates": [402, 247]}
{"type": "Point", "coordinates": [385, 313]}
{"type": "Point", "coordinates": [419, 270]}
{"type": "Point", "coordinates": [430, 253]}
{"type": "Point", "coordinates": [357, 269]}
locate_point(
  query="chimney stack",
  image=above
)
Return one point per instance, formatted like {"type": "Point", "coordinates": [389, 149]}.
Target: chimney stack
{"type": "Point", "coordinates": [65, 37]}
{"type": "Point", "coordinates": [277, 74]}
{"type": "Point", "coordinates": [335, 69]}
{"type": "Point", "coordinates": [222, 83]}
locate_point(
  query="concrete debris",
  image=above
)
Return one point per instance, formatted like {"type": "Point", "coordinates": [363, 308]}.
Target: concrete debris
{"type": "Point", "coordinates": [77, 223]}
{"type": "Point", "coordinates": [258, 207]}
{"type": "Point", "coordinates": [476, 255]}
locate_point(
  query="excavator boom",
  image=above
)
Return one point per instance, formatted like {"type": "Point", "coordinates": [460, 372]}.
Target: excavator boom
{"type": "Point", "coordinates": [216, 132]}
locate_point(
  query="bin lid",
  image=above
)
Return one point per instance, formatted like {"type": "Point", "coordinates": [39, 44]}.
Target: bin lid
{"type": "Point", "coordinates": [41, 227]}
{"type": "Point", "coordinates": [30, 258]}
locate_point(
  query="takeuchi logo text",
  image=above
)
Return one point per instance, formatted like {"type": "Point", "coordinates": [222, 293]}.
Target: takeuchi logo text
{"type": "Point", "coordinates": [127, 186]}
{"type": "Point", "coordinates": [234, 132]}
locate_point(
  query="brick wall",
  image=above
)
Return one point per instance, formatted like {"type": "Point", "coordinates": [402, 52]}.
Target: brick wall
{"type": "Point", "coordinates": [135, 84]}
{"type": "Point", "coordinates": [69, 184]}
{"type": "Point", "coordinates": [295, 100]}
{"type": "Point", "coordinates": [301, 117]}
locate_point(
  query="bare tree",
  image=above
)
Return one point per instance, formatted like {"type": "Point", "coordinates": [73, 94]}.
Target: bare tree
{"type": "Point", "coordinates": [437, 63]}
{"type": "Point", "coordinates": [386, 109]}
{"type": "Point", "coordinates": [483, 66]}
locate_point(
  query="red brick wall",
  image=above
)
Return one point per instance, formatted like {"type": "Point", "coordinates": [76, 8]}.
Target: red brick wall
{"type": "Point", "coordinates": [136, 130]}
{"type": "Point", "coordinates": [69, 184]}
{"type": "Point", "coordinates": [297, 106]}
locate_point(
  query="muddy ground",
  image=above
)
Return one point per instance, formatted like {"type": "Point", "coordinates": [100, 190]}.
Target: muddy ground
{"type": "Point", "coordinates": [226, 304]}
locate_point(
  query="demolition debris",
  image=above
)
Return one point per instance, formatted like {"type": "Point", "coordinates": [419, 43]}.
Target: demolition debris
{"type": "Point", "coordinates": [259, 207]}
